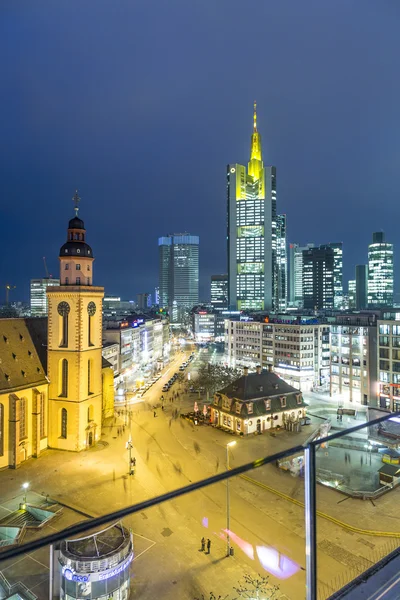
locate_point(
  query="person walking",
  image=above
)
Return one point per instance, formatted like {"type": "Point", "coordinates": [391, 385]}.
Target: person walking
{"type": "Point", "coordinates": [155, 413]}
{"type": "Point", "coordinates": [203, 544]}
{"type": "Point", "coordinates": [208, 546]}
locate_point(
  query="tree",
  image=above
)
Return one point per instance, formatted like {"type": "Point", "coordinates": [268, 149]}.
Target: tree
{"type": "Point", "coordinates": [216, 377]}
{"type": "Point", "coordinates": [211, 596]}
{"type": "Point", "coordinates": [256, 588]}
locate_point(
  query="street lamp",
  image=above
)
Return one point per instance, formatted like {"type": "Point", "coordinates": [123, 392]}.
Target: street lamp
{"type": "Point", "coordinates": [228, 540]}
{"type": "Point", "coordinates": [25, 487]}
{"type": "Point", "coordinates": [129, 447]}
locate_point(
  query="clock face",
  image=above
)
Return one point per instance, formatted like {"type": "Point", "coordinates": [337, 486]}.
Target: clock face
{"type": "Point", "coordinates": [63, 309]}
{"type": "Point", "coordinates": [91, 309]}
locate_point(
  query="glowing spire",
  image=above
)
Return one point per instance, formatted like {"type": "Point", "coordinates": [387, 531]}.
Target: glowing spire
{"type": "Point", "coordinates": [255, 164]}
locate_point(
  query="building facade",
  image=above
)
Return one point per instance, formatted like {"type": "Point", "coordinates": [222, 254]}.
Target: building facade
{"type": "Point", "coordinates": [353, 342]}
{"type": "Point", "coordinates": [280, 277]}
{"type": "Point", "coordinates": [257, 402]}
{"type": "Point", "coordinates": [204, 325]}
{"type": "Point", "coordinates": [219, 292]}
{"type": "Point", "coordinates": [352, 294]}
{"type": "Point", "coordinates": [296, 274]}
{"type": "Point", "coordinates": [337, 248]}
{"type": "Point", "coordinates": [251, 233]}
{"type": "Point", "coordinates": [75, 347]}
{"type": "Point", "coordinates": [298, 350]}
{"type": "Point", "coordinates": [361, 287]}
{"type": "Point", "coordinates": [380, 272]}
{"type": "Point", "coordinates": [318, 278]}
{"type": "Point", "coordinates": [178, 273]}
{"type": "Point", "coordinates": [39, 297]}
{"type": "Point", "coordinates": [389, 363]}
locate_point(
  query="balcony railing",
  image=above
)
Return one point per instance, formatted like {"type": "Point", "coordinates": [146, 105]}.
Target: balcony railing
{"type": "Point", "coordinates": [261, 533]}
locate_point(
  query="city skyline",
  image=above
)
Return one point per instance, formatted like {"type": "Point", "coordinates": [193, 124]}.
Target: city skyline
{"type": "Point", "coordinates": [108, 145]}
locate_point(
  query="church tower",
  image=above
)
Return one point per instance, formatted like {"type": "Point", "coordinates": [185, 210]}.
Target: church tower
{"type": "Point", "coordinates": [75, 345]}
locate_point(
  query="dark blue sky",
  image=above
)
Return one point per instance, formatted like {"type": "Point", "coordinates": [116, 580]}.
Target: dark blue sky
{"type": "Point", "coordinates": [140, 104]}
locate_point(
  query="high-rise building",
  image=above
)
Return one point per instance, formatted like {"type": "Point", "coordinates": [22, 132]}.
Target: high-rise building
{"type": "Point", "coordinates": [74, 355]}
{"type": "Point", "coordinates": [219, 292]}
{"type": "Point", "coordinates": [318, 277]}
{"type": "Point", "coordinates": [380, 271]}
{"type": "Point", "coordinates": [337, 248]}
{"type": "Point", "coordinates": [280, 278]}
{"type": "Point", "coordinates": [352, 293]}
{"type": "Point", "coordinates": [39, 297]}
{"type": "Point", "coordinates": [179, 272]}
{"type": "Point", "coordinates": [144, 300]}
{"type": "Point", "coordinates": [251, 233]}
{"type": "Point", "coordinates": [361, 286]}
{"type": "Point", "coordinates": [296, 273]}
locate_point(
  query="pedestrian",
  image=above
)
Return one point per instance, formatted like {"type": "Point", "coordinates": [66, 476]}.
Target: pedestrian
{"type": "Point", "coordinates": [155, 413]}
{"type": "Point", "coordinates": [162, 406]}
{"type": "Point", "coordinates": [349, 457]}
{"type": "Point", "coordinates": [203, 544]}
{"type": "Point", "coordinates": [345, 457]}
{"type": "Point", "coordinates": [134, 461]}
{"type": "Point", "coordinates": [208, 546]}
{"type": "Point", "coordinates": [361, 460]}
{"type": "Point", "coordinates": [124, 480]}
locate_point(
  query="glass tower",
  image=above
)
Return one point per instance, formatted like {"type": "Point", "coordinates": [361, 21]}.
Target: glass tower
{"type": "Point", "coordinates": [251, 232]}
{"type": "Point", "coordinates": [219, 292]}
{"type": "Point", "coordinates": [280, 276]}
{"type": "Point", "coordinates": [39, 297]}
{"type": "Point", "coordinates": [178, 272]}
{"type": "Point", "coordinates": [337, 248]}
{"type": "Point", "coordinates": [380, 271]}
{"type": "Point", "coordinates": [318, 278]}
{"type": "Point", "coordinates": [296, 273]}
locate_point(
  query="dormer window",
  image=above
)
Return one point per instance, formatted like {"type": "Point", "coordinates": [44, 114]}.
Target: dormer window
{"type": "Point", "coordinates": [260, 388]}
{"type": "Point", "coordinates": [234, 388]}
{"type": "Point", "coordinates": [267, 404]}
{"type": "Point", "coordinates": [21, 337]}
{"type": "Point", "coordinates": [88, 251]}
{"type": "Point", "coordinates": [250, 408]}
{"type": "Point", "coordinates": [238, 407]}
{"type": "Point", "coordinates": [299, 398]}
{"type": "Point", "coordinates": [78, 251]}
{"type": "Point", "coordinates": [23, 373]}
{"type": "Point", "coordinates": [283, 401]}
{"type": "Point", "coordinates": [66, 250]}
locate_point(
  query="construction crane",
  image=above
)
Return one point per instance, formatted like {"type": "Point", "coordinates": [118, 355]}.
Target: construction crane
{"type": "Point", "coordinates": [46, 269]}
{"type": "Point", "coordinates": [9, 287]}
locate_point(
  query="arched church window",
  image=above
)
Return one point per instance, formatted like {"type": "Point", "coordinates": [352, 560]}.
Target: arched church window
{"type": "Point", "coordinates": [63, 310]}
{"type": "Point", "coordinates": [91, 312]}
{"type": "Point", "coordinates": [64, 423]}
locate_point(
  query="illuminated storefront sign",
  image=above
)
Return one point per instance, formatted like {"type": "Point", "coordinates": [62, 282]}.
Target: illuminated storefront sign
{"type": "Point", "coordinates": [116, 571]}
{"type": "Point", "coordinates": [72, 576]}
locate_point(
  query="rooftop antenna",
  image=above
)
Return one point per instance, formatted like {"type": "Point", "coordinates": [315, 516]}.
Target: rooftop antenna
{"type": "Point", "coordinates": [76, 201]}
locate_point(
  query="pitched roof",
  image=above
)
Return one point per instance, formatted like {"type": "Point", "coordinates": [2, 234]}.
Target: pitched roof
{"type": "Point", "coordinates": [393, 470]}
{"type": "Point", "coordinates": [20, 364]}
{"type": "Point", "coordinates": [105, 363]}
{"type": "Point", "coordinates": [258, 385]}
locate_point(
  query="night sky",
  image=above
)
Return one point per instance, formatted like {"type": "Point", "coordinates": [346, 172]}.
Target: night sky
{"type": "Point", "coordinates": [141, 105]}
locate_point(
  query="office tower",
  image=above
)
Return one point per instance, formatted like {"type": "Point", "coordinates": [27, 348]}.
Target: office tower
{"type": "Point", "coordinates": [352, 293]}
{"type": "Point", "coordinates": [251, 248]}
{"type": "Point", "coordinates": [39, 297]}
{"type": "Point", "coordinates": [280, 278]}
{"type": "Point", "coordinates": [144, 300]}
{"type": "Point", "coordinates": [219, 292]}
{"type": "Point", "coordinates": [361, 286]}
{"type": "Point", "coordinates": [380, 271]}
{"type": "Point", "coordinates": [296, 273]}
{"type": "Point", "coordinates": [157, 296]}
{"type": "Point", "coordinates": [337, 248]}
{"type": "Point", "coordinates": [179, 273]}
{"type": "Point", "coordinates": [318, 277]}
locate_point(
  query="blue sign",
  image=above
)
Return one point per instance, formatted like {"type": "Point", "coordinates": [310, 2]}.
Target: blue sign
{"type": "Point", "coordinates": [72, 576]}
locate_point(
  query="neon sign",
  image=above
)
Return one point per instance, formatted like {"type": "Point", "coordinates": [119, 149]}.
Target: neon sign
{"type": "Point", "coordinates": [117, 570]}
{"type": "Point", "coordinates": [72, 576]}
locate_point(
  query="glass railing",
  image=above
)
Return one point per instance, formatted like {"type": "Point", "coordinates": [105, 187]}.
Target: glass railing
{"type": "Point", "coordinates": [301, 522]}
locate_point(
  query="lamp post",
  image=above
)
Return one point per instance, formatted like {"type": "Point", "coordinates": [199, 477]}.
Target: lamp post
{"type": "Point", "coordinates": [129, 447]}
{"type": "Point", "coordinates": [228, 540]}
{"type": "Point", "coordinates": [25, 487]}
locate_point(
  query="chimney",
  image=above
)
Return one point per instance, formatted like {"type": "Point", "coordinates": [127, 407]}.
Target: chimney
{"type": "Point", "coordinates": [258, 370]}
{"type": "Point", "coordinates": [246, 371]}
{"type": "Point", "coordinates": [270, 368]}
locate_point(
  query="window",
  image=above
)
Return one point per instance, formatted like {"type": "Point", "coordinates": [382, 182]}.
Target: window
{"type": "Point", "coordinates": [91, 312]}
{"type": "Point", "coordinates": [78, 281]}
{"type": "Point", "coordinates": [64, 378]}
{"type": "Point", "coordinates": [250, 408]}
{"type": "Point", "coordinates": [299, 398]}
{"type": "Point", "coordinates": [64, 423]}
{"type": "Point", "coordinates": [283, 401]}
{"type": "Point", "coordinates": [88, 268]}
{"type": "Point", "coordinates": [22, 419]}
{"type": "Point", "coordinates": [238, 407]}
{"type": "Point", "coordinates": [66, 267]}
{"type": "Point", "coordinates": [384, 329]}
{"type": "Point", "coordinates": [267, 404]}
{"type": "Point", "coordinates": [42, 416]}
{"type": "Point", "coordinates": [89, 376]}
{"type": "Point", "coordinates": [1, 430]}
{"type": "Point", "coordinates": [78, 267]}
{"type": "Point", "coordinates": [63, 310]}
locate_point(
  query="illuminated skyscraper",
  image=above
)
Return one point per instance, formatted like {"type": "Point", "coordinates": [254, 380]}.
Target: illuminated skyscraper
{"type": "Point", "coordinates": [296, 273]}
{"type": "Point", "coordinates": [361, 286]}
{"type": "Point", "coordinates": [380, 271]}
{"type": "Point", "coordinates": [219, 292]}
{"type": "Point", "coordinates": [318, 277]}
{"type": "Point", "coordinates": [39, 297]}
{"type": "Point", "coordinates": [179, 272]}
{"type": "Point", "coordinates": [337, 248]}
{"type": "Point", "coordinates": [280, 275]}
{"type": "Point", "coordinates": [252, 231]}
{"type": "Point", "coordinates": [352, 293]}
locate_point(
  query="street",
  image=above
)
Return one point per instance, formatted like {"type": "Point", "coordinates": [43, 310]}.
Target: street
{"type": "Point", "coordinates": [267, 532]}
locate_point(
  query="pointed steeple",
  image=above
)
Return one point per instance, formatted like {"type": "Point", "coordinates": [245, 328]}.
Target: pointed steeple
{"type": "Point", "coordinates": [255, 164]}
